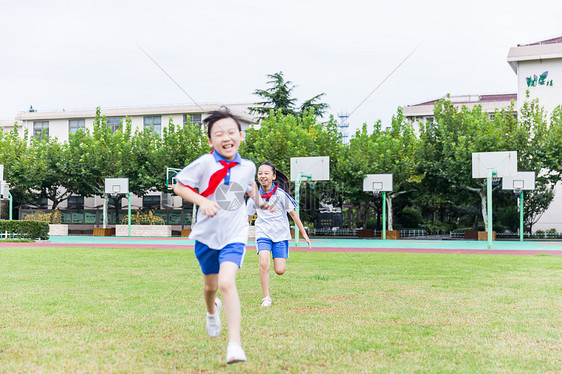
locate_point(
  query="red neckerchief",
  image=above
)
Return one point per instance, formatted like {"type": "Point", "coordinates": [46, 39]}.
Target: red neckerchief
{"type": "Point", "coordinates": [218, 176]}
{"type": "Point", "coordinates": [268, 195]}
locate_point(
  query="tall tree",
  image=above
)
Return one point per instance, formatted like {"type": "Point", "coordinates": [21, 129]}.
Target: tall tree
{"type": "Point", "coordinates": [179, 146]}
{"type": "Point", "coordinates": [280, 137]}
{"type": "Point", "coordinates": [19, 162]}
{"type": "Point", "coordinates": [383, 151]}
{"type": "Point", "coordinates": [49, 155]}
{"type": "Point", "coordinates": [449, 141]}
{"type": "Point", "coordinates": [278, 98]}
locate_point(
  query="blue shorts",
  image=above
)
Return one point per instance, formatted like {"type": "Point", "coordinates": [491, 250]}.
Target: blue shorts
{"type": "Point", "coordinates": [210, 259]}
{"type": "Point", "coordinates": [277, 249]}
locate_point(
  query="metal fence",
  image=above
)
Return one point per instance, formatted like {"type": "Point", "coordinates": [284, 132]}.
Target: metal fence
{"type": "Point", "coordinates": [10, 235]}
{"type": "Point", "coordinates": [338, 231]}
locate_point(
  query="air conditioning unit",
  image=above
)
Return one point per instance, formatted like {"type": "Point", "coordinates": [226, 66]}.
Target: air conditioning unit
{"type": "Point", "coordinates": [167, 200]}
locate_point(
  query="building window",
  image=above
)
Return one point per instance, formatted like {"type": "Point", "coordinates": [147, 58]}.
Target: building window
{"type": "Point", "coordinates": [429, 119]}
{"type": "Point", "coordinates": [154, 123]}
{"type": "Point", "coordinates": [42, 203]}
{"type": "Point", "coordinates": [76, 202]}
{"type": "Point", "coordinates": [76, 124]}
{"type": "Point", "coordinates": [113, 123]}
{"type": "Point", "coordinates": [151, 202]}
{"type": "Point", "coordinates": [39, 126]}
{"type": "Point", "coordinates": [195, 119]}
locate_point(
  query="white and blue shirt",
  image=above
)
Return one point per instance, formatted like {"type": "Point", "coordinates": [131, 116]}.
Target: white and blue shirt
{"type": "Point", "coordinates": [274, 226]}
{"type": "Point", "coordinates": [230, 224]}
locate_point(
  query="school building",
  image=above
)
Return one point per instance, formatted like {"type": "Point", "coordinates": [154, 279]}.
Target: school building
{"type": "Point", "coordinates": [538, 67]}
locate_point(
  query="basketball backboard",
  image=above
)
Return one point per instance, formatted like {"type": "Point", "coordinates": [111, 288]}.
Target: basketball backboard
{"type": "Point", "coordinates": [502, 164]}
{"type": "Point", "coordinates": [522, 180]}
{"type": "Point", "coordinates": [4, 189]}
{"type": "Point", "coordinates": [116, 185]}
{"type": "Point", "coordinates": [171, 177]}
{"type": "Point", "coordinates": [377, 182]}
{"type": "Point", "coordinates": [313, 168]}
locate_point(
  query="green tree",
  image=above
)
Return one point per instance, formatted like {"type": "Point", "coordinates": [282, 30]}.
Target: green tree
{"type": "Point", "coordinates": [49, 155]}
{"type": "Point", "coordinates": [93, 156]}
{"type": "Point", "coordinates": [19, 162]}
{"type": "Point", "coordinates": [179, 146]}
{"type": "Point", "coordinates": [278, 99]}
{"type": "Point", "coordinates": [280, 137]}
{"type": "Point", "coordinates": [449, 141]}
{"type": "Point", "coordinates": [383, 151]}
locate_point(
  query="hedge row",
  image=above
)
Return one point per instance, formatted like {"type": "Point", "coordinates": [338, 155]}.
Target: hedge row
{"type": "Point", "coordinates": [26, 229]}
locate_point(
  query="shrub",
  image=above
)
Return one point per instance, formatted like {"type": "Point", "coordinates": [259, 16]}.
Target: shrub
{"type": "Point", "coordinates": [439, 227]}
{"type": "Point", "coordinates": [26, 229]}
{"type": "Point", "coordinates": [409, 218]}
{"type": "Point", "coordinates": [141, 218]}
{"type": "Point", "coordinates": [371, 224]}
{"type": "Point", "coordinates": [49, 217]}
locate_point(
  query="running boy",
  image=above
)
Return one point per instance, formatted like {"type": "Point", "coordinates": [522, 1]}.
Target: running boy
{"type": "Point", "coordinates": [221, 230]}
{"type": "Point", "coordinates": [272, 228]}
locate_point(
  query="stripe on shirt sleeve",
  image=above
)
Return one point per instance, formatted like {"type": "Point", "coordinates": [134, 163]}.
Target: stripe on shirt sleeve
{"type": "Point", "coordinates": [290, 199]}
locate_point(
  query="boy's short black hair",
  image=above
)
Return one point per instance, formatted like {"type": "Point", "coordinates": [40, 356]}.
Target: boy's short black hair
{"type": "Point", "coordinates": [216, 115]}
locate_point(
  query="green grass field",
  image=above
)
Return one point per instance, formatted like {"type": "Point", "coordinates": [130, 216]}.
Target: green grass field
{"type": "Point", "coordinates": [137, 310]}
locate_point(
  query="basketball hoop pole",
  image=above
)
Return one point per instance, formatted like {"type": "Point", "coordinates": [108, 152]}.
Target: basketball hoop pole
{"type": "Point", "coordinates": [489, 202]}
{"type": "Point", "coordinates": [11, 205]}
{"type": "Point", "coordinates": [297, 198]}
{"type": "Point", "coordinates": [105, 203]}
{"type": "Point", "coordinates": [383, 215]}
{"type": "Point", "coordinates": [521, 216]}
{"type": "Point", "coordinates": [129, 212]}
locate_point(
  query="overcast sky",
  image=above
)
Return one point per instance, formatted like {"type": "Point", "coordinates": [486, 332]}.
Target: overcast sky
{"type": "Point", "coordinates": [81, 54]}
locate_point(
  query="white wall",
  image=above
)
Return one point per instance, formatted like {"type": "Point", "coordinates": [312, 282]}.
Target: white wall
{"type": "Point", "coordinates": [549, 96]}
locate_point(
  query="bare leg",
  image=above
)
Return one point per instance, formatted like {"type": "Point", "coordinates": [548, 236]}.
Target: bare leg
{"type": "Point", "coordinates": [231, 301]}
{"type": "Point", "coordinates": [210, 287]}
{"type": "Point", "coordinates": [264, 258]}
{"type": "Point", "coordinates": [280, 265]}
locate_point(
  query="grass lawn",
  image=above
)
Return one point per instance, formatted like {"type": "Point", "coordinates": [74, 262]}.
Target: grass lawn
{"type": "Point", "coordinates": [138, 310]}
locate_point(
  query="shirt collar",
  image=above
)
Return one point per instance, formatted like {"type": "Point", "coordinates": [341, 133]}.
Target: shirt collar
{"type": "Point", "coordinates": [218, 157]}
{"type": "Point", "coordinates": [264, 192]}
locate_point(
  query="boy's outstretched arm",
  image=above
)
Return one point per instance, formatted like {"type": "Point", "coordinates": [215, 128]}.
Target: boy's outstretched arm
{"type": "Point", "coordinates": [207, 207]}
{"type": "Point", "coordinates": [298, 222]}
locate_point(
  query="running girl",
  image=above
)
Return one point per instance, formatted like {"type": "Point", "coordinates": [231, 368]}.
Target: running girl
{"type": "Point", "coordinates": [272, 228]}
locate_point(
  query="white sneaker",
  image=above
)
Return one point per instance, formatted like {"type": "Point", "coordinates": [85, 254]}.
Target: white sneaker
{"type": "Point", "coordinates": [214, 320]}
{"type": "Point", "coordinates": [234, 353]}
{"type": "Point", "coordinates": [266, 301]}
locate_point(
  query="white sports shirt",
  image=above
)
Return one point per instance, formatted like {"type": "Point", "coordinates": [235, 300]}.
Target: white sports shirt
{"type": "Point", "coordinates": [274, 226]}
{"type": "Point", "coordinates": [230, 224]}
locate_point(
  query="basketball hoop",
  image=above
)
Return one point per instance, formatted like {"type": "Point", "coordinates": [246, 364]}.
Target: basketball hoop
{"type": "Point", "coordinates": [376, 193]}
{"type": "Point", "coordinates": [517, 192]}
{"type": "Point", "coordinates": [312, 184]}
{"type": "Point", "coordinates": [496, 181]}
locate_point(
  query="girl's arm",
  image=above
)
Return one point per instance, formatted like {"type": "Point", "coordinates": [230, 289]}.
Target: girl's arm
{"type": "Point", "coordinates": [261, 203]}
{"type": "Point", "coordinates": [206, 206]}
{"type": "Point", "coordinates": [298, 222]}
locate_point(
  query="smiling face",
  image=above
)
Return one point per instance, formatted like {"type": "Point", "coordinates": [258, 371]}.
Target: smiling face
{"type": "Point", "coordinates": [266, 177]}
{"type": "Point", "coordinates": [225, 138]}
